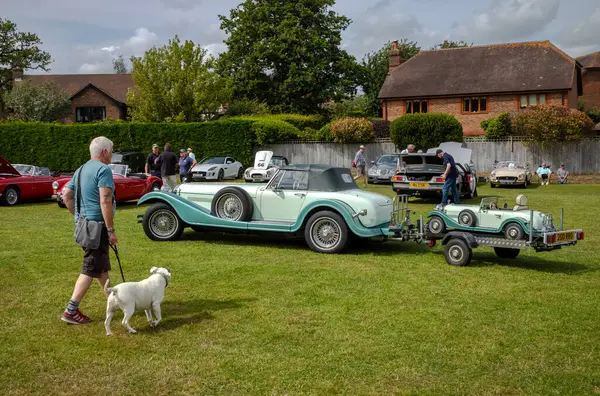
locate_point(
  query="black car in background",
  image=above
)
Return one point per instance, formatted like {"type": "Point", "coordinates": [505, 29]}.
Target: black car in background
{"type": "Point", "coordinates": [133, 158]}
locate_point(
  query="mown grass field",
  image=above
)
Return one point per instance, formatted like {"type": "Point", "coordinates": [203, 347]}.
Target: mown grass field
{"type": "Point", "coordinates": [263, 315]}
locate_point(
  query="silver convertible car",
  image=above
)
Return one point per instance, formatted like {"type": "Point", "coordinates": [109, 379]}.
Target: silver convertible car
{"type": "Point", "coordinates": [321, 202]}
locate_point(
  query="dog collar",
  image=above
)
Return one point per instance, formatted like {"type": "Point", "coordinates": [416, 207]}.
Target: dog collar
{"type": "Point", "coordinates": [165, 278]}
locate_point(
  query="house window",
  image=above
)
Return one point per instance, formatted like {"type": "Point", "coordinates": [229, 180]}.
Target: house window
{"type": "Point", "coordinates": [531, 100]}
{"type": "Point", "coordinates": [416, 106]}
{"type": "Point", "coordinates": [475, 105]}
{"type": "Point", "coordinates": [89, 114]}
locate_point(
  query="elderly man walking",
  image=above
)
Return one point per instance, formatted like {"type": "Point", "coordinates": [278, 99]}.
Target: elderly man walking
{"type": "Point", "coordinates": [90, 194]}
{"type": "Point", "coordinates": [361, 164]}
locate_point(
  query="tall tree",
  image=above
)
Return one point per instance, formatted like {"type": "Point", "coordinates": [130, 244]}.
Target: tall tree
{"type": "Point", "coordinates": [176, 82]}
{"type": "Point", "coordinates": [288, 54]}
{"type": "Point", "coordinates": [46, 102]}
{"type": "Point", "coordinates": [19, 50]}
{"type": "Point", "coordinates": [119, 65]}
{"type": "Point", "coordinates": [451, 44]}
{"type": "Point", "coordinates": [374, 69]}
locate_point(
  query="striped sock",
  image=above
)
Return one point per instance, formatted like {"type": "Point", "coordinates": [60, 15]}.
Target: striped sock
{"type": "Point", "coordinates": [72, 307]}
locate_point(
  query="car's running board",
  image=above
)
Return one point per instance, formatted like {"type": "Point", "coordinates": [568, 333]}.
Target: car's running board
{"type": "Point", "coordinates": [271, 222]}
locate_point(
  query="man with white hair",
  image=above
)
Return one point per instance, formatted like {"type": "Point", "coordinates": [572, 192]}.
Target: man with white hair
{"type": "Point", "coordinates": [95, 202]}
{"type": "Point", "coordinates": [409, 149]}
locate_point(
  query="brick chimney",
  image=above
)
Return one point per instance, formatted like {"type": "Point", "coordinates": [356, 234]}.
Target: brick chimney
{"type": "Point", "coordinates": [17, 74]}
{"type": "Point", "coordinates": [394, 57]}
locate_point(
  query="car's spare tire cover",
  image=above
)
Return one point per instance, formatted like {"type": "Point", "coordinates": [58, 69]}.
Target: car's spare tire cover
{"type": "Point", "coordinates": [232, 203]}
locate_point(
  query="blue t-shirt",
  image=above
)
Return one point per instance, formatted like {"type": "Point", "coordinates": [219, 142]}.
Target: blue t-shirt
{"type": "Point", "coordinates": [184, 165]}
{"type": "Point", "coordinates": [95, 175]}
{"type": "Point", "coordinates": [448, 159]}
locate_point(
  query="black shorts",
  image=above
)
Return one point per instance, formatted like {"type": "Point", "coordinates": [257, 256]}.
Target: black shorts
{"type": "Point", "coordinates": [97, 261]}
{"type": "Point", "coordinates": [544, 176]}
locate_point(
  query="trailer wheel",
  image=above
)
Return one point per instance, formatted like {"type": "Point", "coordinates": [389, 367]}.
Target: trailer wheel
{"type": "Point", "coordinates": [458, 253]}
{"type": "Point", "coordinates": [507, 253]}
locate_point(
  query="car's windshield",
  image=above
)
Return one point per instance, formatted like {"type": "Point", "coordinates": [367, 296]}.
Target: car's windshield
{"type": "Point", "coordinates": [118, 169]}
{"type": "Point", "coordinates": [278, 162]}
{"type": "Point", "coordinates": [508, 164]}
{"type": "Point", "coordinates": [391, 160]}
{"type": "Point", "coordinates": [422, 159]}
{"type": "Point", "coordinates": [26, 170]}
{"type": "Point", "coordinates": [215, 160]}
{"type": "Point", "coordinates": [117, 158]}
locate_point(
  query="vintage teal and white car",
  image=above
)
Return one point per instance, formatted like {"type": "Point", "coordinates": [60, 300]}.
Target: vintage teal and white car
{"type": "Point", "coordinates": [513, 223]}
{"type": "Point", "coordinates": [319, 201]}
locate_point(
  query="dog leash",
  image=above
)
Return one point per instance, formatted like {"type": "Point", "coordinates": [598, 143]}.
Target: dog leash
{"type": "Point", "coordinates": [114, 248]}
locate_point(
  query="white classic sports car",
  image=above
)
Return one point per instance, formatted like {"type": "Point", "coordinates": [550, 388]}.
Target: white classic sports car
{"type": "Point", "coordinates": [265, 166]}
{"type": "Point", "coordinates": [217, 168]}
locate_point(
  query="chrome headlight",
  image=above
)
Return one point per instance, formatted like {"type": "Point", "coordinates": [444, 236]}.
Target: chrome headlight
{"type": "Point", "coordinates": [522, 175]}
{"type": "Point", "coordinates": [55, 185]}
{"type": "Point", "coordinates": [493, 175]}
{"type": "Point", "coordinates": [212, 168]}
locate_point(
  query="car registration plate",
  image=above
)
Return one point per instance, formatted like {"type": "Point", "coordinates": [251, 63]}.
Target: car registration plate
{"type": "Point", "coordinates": [565, 236]}
{"type": "Point", "coordinates": [419, 185]}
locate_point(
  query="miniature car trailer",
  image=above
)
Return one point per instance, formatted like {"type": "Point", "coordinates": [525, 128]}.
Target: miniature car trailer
{"type": "Point", "coordinates": [508, 239]}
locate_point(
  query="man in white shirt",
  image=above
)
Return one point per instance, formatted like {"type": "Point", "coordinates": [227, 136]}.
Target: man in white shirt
{"type": "Point", "coordinates": [409, 149]}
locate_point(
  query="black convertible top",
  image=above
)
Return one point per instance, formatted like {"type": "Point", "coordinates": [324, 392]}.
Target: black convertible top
{"type": "Point", "coordinates": [325, 177]}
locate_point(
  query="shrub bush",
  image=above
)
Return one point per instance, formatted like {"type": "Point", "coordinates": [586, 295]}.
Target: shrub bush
{"type": "Point", "coordinates": [269, 131]}
{"type": "Point", "coordinates": [594, 115]}
{"type": "Point", "coordinates": [425, 130]}
{"type": "Point", "coordinates": [352, 130]}
{"type": "Point", "coordinates": [546, 124]}
{"type": "Point", "coordinates": [66, 147]}
{"type": "Point", "coordinates": [381, 128]}
{"type": "Point", "coordinates": [497, 127]}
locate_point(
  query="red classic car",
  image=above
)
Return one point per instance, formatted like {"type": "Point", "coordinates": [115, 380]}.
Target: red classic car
{"type": "Point", "coordinates": [20, 182]}
{"type": "Point", "coordinates": [128, 186]}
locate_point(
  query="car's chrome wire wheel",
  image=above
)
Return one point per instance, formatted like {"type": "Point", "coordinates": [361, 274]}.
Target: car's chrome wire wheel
{"type": "Point", "coordinates": [456, 253]}
{"type": "Point", "coordinates": [230, 207]}
{"type": "Point", "coordinates": [465, 219]}
{"type": "Point", "coordinates": [325, 233]}
{"type": "Point", "coordinates": [163, 223]}
{"type": "Point", "coordinates": [12, 196]}
{"type": "Point", "coordinates": [156, 187]}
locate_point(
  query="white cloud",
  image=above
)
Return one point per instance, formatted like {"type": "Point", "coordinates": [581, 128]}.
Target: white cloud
{"type": "Point", "coordinates": [507, 20]}
{"type": "Point", "coordinates": [142, 40]}
{"type": "Point", "coordinates": [215, 49]}
{"type": "Point", "coordinates": [112, 48]}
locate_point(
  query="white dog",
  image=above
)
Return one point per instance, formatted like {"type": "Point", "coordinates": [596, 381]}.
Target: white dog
{"type": "Point", "coordinates": [129, 296]}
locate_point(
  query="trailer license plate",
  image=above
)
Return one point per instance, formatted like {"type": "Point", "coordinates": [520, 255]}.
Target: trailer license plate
{"type": "Point", "coordinates": [419, 185]}
{"type": "Point", "coordinates": [565, 236]}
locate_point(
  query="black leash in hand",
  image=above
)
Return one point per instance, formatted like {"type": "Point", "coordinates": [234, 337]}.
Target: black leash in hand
{"type": "Point", "coordinates": [114, 248]}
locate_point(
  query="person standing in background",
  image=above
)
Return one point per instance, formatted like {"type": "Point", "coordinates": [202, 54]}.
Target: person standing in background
{"type": "Point", "coordinates": [167, 161]}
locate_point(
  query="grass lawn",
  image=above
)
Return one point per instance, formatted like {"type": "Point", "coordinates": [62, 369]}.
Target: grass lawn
{"type": "Point", "coordinates": [264, 315]}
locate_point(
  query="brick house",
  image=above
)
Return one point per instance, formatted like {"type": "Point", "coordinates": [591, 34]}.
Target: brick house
{"type": "Point", "coordinates": [477, 83]}
{"type": "Point", "coordinates": [591, 80]}
{"type": "Point", "coordinates": [93, 96]}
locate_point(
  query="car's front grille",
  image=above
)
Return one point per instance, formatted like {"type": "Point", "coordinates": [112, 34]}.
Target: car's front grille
{"type": "Point", "coordinates": [507, 178]}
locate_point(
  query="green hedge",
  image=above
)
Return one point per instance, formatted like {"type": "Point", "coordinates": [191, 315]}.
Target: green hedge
{"type": "Point", "coordinates": [66, 147]}
{"type": "Point", "coordinates": [269, 131]}
{"type": "Point", "coordinates": [299, 121]}
{"type": "Point", "coordinates": [425, 130]}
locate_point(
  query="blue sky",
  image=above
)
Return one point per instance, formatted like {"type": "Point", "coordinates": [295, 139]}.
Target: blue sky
{"type": "Point", "coordinates": [84, 36]}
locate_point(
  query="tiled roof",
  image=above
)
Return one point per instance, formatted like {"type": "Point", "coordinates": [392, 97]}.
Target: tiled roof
{"type": "Point", "coordinates": [114, 85]}
{"type": "Point", "coordinates": [590, 60]}
{"type": "Point", "coordinates": [517, 67]}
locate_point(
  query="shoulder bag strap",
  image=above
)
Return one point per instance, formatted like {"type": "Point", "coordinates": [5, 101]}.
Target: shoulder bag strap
{"type": "Point", "coordinates": [78, 191]}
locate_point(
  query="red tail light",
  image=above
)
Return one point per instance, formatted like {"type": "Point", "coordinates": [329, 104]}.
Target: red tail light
{"type": "Point", "coordinates": [398, 178]}
{"type": "Point", "coordinates": [438, 180]}
{"type": "Point", "coordinates": [581, 235]}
